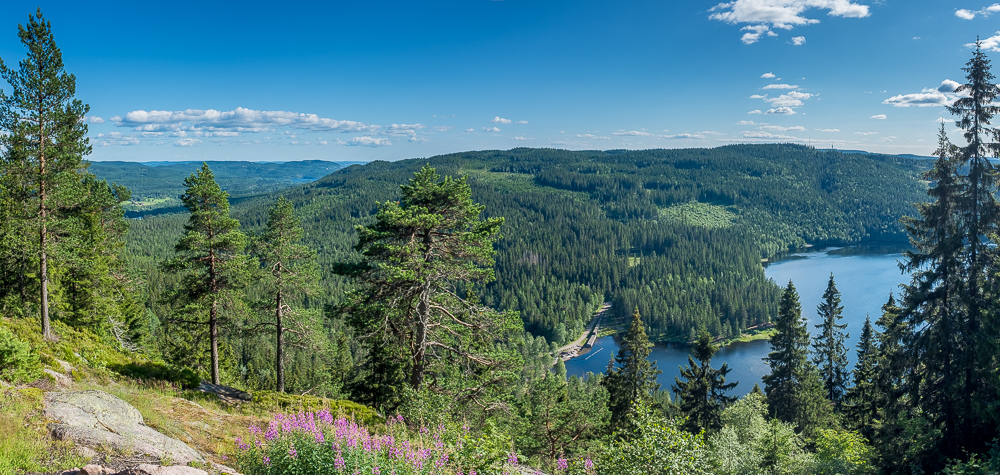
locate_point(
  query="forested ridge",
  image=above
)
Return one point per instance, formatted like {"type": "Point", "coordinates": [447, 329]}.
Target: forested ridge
{"type": "Point", "coordinates": [678, 233]}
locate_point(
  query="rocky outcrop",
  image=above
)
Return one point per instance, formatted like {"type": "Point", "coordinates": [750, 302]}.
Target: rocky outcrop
{"type": "Point", "coordinates": [142, 469]}
{"type": "Point", "coordinates": [100, 420]}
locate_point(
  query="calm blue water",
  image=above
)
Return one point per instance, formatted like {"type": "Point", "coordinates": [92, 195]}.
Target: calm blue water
{"type": "Point", "coordinates": [865, 275]}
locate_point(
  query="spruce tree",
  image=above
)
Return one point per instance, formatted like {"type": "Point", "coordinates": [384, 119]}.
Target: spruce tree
{"type": "Point", "coordinates": [43, 147]}
{"type": "Point", "coordinates": [631, 377]}
{"type": "Point", "coordinates": [789, 353]}
{"type": "Point", "coordinates": [861, 403]}
{"type": "Point", "coordinates": [291, 273]}
{"type": "Point", "coordinates": [701, 395]}
{"type": "Point", "coordinates": [214, 267]}
{"type": "Point", "coordinates": [830, 354]}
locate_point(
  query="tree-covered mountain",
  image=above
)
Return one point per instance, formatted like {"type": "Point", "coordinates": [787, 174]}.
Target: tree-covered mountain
{"type": "Point", "coordinates": [680, 234]}
{"type": "Point", "coordinates": [157, 185]}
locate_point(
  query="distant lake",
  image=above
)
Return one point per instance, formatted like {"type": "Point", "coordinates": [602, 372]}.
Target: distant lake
{"type": "Point", "coordinates": [865, 275]}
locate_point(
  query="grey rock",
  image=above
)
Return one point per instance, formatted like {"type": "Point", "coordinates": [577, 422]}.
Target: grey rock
{"type": "Point", "coordinates": [100, 420]}
{"type": "Point", "coordinates": [61, 380]}
{"type": "Point", "coordinates": [149, 469]}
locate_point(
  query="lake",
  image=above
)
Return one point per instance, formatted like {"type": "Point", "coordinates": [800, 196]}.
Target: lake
{"type": "Point", "coordinates": [865, 275]}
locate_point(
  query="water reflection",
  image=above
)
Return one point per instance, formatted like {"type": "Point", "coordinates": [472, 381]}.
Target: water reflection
{"type": "Point", "coordinates": [865, 275]}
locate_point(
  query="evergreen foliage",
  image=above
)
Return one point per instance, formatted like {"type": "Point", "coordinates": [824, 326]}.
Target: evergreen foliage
{"type": "Point", "coordinates": [43, 148]}
{"type": "Point", "coordinates": [291, 273]}
{"type": "Point", "coordinates": [861, 402]}
{"type": "Point", "coordinates": [212, 261]}
{"type": "Point", "coordinates": [701, 395]}
{"type": "Point", "coordinates": [830, 354]}
{"type": "Point", "coordinates": [421, 257]}
{"type": "Point", "coordinates": [631, 377]}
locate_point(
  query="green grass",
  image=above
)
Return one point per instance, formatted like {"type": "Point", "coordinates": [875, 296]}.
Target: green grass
{"type": "Point", "coordinates": [700, 214]}
{"type": "Point", "coordinates": [25, 445]}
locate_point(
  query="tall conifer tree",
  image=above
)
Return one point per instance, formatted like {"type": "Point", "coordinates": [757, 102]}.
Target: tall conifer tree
{"type": "Point", "coordinates": [861, 402]}
{"type": "Point", "coordinates": [292, 273]}
{"type": "Point", "coordinates": [631, 377]}
{"type": "Point", "coordinates": [830, 354]}
{"type": "Point", "coordinates": [212, 260]}
{"type": "Point", "coordinates": [43, 146]}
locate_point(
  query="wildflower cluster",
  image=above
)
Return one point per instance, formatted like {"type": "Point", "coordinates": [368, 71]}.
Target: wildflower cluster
{"type": "Point", "coordinates": [317, 442]}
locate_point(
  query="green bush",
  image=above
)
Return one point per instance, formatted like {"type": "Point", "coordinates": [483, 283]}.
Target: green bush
{"type": "Point", "coordinates": [270, 400]}
{"type": "Point", "coordinates": [185, 377]}
{"type": "Point", "coordinates": [18, 363]}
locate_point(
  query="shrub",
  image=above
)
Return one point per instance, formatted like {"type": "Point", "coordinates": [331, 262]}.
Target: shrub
{"type": "Point", "coordinates": [18, 362]}
{"type": "Point", "coordinates": [184, 377]}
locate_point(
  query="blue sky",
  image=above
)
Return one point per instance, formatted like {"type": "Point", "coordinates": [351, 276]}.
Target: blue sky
{"type": "Point", "coordinates": [389, 80]}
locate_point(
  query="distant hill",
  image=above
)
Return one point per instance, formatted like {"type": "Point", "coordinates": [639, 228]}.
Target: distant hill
{"type": "Point", "coordinates": [156, 186]}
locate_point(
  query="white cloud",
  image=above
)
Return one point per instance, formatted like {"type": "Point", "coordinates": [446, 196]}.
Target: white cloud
{"type": "Point", "coordinates": [238, 120]}
{"type": "Point", "coordinates": [989, 44]}
{"type": "Point", "coordinates": [781, 111]}
{"type": "Point", "coordinates": [798, 40]}
{"type": "Point", "coordinates": [368, 141]}
{"type": "Point", "coordinates": [522, 138]}
{"type": "Point", "coordinates": [767, 76]}
{"type": "Point", "coordinates": [632, 133]}
{"type": "Point", "coordinates": [865, 133]}
{"type": "Point", "coordinates": [943, 95]}
{"type": "Point", "coordinates": [780, 86]}
{"type": "Point", "coordinates": [984, 12]}
{"type": "Point", "coordinates": [500, 120]}
{"type": "Point", "coordinates": [828, 130]}
{"type": "Point", "coordinates": [188, 142]}
{"type": "Point", "coordinates": [763, 15]}
{"type": "Point", "coordinates": [888, 138]}
{"type": "Point", "coordinates": [685, 136]}
{"type": "Point", "coordinates": [521, 122]}
{"type": "Point", "coordinates": [491, 129]}
{"type": "Point", "coordinates": [756, 134]}
{"type": "Point", "coordinates": [93, 119]}
{"type": "Point", "coordinates": [878, 116]}
{"type": "Point", "coordinates": [790, 99]}
{"type": "Point", "coordinates": [778, 128]}
{"type": "Point", "coordinates": [755, 111]}
{"type": "Point", "coordinates": [758, 96]}
{"type": "Point", "coordinates": [469, 131]}
{"type": "Point", "coordinates": [746, 122]}
{"type": "Point", "coordinates": [592, 136]}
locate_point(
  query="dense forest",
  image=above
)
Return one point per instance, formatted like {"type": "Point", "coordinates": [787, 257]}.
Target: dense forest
{"type": "Point", "coordinates": [436, 292]}
{"type": "Point", "coordinates": [678, 233]}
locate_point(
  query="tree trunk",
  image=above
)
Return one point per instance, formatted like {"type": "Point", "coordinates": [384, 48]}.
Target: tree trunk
{"type": "Point", "coordinates": [213, 316]}
{"type": "Point", "coordinates": [43, 262]}
{"type": "Point", "coordinates": [279, 363]}
{"type": "Point", "coordinates": [420, 337]}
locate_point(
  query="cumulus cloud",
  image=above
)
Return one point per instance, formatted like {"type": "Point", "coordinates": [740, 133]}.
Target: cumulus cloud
{"type": "Point", "coordinates": [758, 96]}
{"type": "Point", "coordinates": [685, 136]}
{"type": "Point", "coordinates": [778, 128]}
{"type": "Point", "coordinates": [943, 95]}
{"type": "Point", "coordinates": [828, 130]}
{"type": "Point", "coordinates": [592, 136]}
{"type": "Point", "coordinates": [768, 76]}
{"type": "Point", "coordinates": [93, 119]}
{"type": "Point", "coordinates": [115, 138]}
{"type": "Point", "coordinates": [186, 142]}
{"type": "Point", "coordinates": [989, 44]}
{"type": "Point", "coordinates": [763, 15]}
{"type": "Point", "coordinates": [780, 86]}
{"type": "Point", "coordinates": [746, 122]}
{"type": "Point", "coordinates": [521, 138]}
{"type": "Point", "coordinates": [632, 133]}
{"type": "Point", "coordinates": [878, 116]}
{"type": "Point", "coordinates": [369, 141]}
{"type": "Point", "coordinates": [491, 129]}
{"type": "Point", "coordinates": [798, 40]}
{"type": "Point", "coordinates": [789, 99]}
{"type": "Point", "coordinates": [755, 111]}
{"type": "Point", "coordinates": [757, 134]}
{"type": "Point", "coordinates": [238, 120]}
{"type": "Point", "coordinates": [781, 111]}
{"type": "Point", "coordinates": [983, 12]}
{"type": "Point", "coordinates": [404, 130]}
{"type": "Point", "coordinates": [500, 120]}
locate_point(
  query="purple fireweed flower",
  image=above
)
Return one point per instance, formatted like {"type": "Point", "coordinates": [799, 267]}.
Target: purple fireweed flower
{"type": "Point", "coordinates": [271, 433]}
{"type": "Point", "coordinates": [376, 470]}
{"type": "Point", "coordinates": [423, 430]}
{"type": "Point", "coordinates": [588, 464]}
{"type": "Point", "coordinates": [339, 461]}
{"type": "Point", "coordinates": [512, 458]}
{"type": "Point", "coordinates": [266, 460]}
{"type": "Point", "coordinates": [562, 464]}
{"type": "Point", "coordinates": [399, 418]}
{"type": "Point", "coordinates": [292, 453]}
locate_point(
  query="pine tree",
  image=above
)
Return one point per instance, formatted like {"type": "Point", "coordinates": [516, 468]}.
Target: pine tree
{"type": "Point", "coordinates": [861, 402]}
{"type": "Point", "coordinates": [701, 396]}
{"type": "Point", "coordinates": [291, 273]}
{"type": "Point", "coordinates": [43, 146]}
{"type": "Point", "coordinates": [830, 354]}
{"type": "Point", "coordinates": [419, 258]}
{"type": "Point", "coordinates": [211, 258]}
{"type": "Point", "coordinates": [631, 377]}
